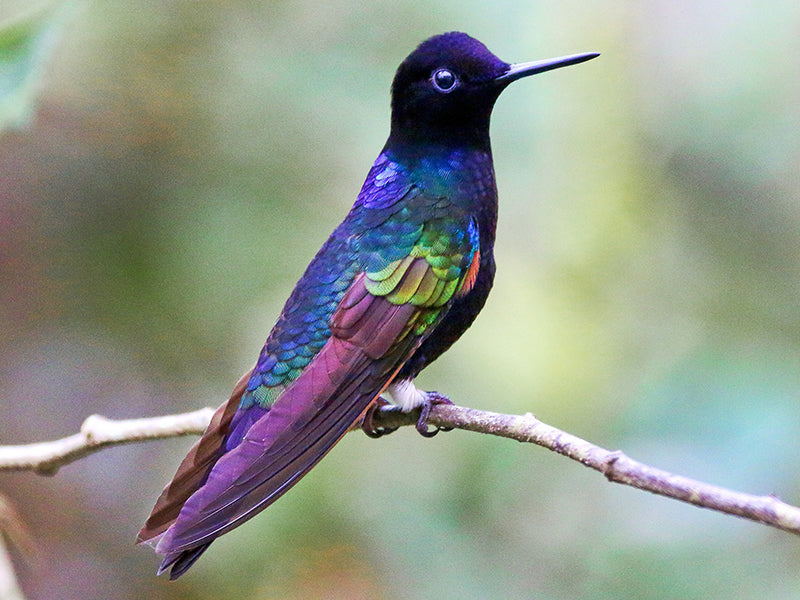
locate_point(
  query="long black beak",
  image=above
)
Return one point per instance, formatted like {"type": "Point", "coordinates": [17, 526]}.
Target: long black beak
{"type": "Point", "coordinates": [519, 70]}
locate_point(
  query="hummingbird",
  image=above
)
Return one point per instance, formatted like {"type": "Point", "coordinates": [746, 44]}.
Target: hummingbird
{"type": "Point", "coordinates": [393, 287]}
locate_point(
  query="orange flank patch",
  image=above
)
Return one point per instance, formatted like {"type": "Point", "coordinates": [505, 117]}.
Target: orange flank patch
{"type": "Point", "coordinates": [472, 275]}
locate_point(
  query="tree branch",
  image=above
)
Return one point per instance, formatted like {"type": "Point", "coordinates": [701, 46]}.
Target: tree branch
{"type": "Point", "coordinates": [98, 432]}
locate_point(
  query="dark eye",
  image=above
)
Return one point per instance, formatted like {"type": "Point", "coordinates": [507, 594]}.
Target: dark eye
{"type": "Point", "coordinates": [444, 80]}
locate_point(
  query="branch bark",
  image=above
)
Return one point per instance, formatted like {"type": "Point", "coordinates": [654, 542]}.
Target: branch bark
{"type": "Point", "coordinates": [98, 433]}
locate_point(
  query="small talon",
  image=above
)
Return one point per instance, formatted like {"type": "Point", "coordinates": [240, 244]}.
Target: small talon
{"type": "Point", "coordinates": [368, 424]}
{"type": "Point", "coordinates": [433, 398]}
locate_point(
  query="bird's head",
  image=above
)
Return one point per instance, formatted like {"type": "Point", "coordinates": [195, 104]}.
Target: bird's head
{"type": "Point", "coordinates": [444, 91]}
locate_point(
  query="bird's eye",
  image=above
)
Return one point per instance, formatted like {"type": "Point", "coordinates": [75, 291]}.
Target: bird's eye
{"type": "Point", "coordinates": [444, 80]}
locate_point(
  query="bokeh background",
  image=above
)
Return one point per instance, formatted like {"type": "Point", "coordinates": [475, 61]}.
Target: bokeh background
{"type": "Point", "coordinates": [185, 160]}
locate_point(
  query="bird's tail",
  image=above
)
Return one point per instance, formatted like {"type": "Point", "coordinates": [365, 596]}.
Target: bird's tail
{"type": "Point", "coordinates": [181, 561]}
{"type": "Point", "coordinates": [192, 472]}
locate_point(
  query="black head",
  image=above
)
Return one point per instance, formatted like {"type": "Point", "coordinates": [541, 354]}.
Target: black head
{"type": "Point", "coordinates": [445, 90]}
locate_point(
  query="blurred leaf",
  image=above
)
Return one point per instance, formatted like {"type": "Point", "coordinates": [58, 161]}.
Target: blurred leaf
{"type": "Point", "coordinates": [25, 46]}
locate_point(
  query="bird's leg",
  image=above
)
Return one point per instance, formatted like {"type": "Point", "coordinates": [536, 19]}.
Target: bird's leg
{"type": "Point", "coordinates": [407, 397]}
{"type": "Point", "coordinates": [431, 400]}
{"type": "Point", "coordinates": [368, 424]}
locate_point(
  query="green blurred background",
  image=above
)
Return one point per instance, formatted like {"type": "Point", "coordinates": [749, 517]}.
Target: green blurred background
{"type": "Point", "coordinates": [186, 159]}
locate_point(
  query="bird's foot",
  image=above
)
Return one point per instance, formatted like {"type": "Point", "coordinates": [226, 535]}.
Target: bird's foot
{"type": "Point", "coordinates": [431, 400]}
{"type": "Point", "coordinates": [368, 424]}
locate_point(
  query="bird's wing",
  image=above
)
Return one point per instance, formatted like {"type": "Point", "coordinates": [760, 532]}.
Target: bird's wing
{"type": "Point", "coordinates": [376, 326]}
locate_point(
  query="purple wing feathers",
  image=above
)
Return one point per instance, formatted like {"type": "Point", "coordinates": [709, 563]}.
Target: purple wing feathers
{"type": "Point", "coordinates": [367, 348]}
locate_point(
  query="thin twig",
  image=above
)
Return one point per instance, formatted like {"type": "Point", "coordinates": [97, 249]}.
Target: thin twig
{"type": "Point", "coordinates": [615, 465]}
{"type": "Point", "coordinates": [98, 432]}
